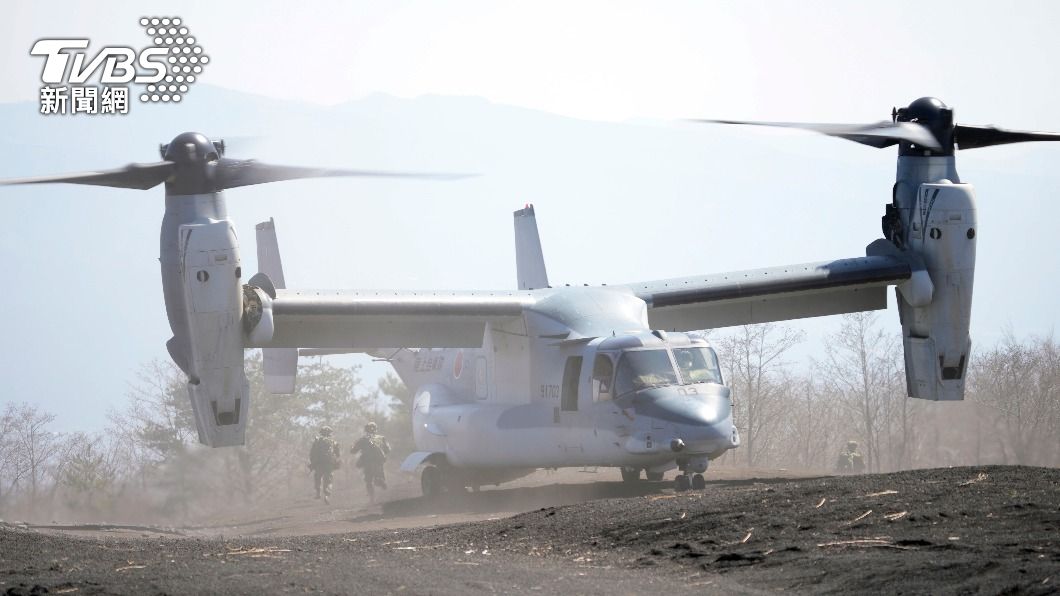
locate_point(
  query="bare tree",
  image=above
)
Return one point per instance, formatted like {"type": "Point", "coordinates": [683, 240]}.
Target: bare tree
{"type": "Point", "coordinates": [157, 419]}
{"type": "Point", "coordinates": [158, 430]}
{"type": "Point", "coordinates": [177, 475]}
{"type": "Point", "coordinates": [810, 425]}
{"type": "Point", "coordinates": [35, 445]}
{"type": "Point", "coordinates": [399, 421]}
{"type": "Point", "coordinates": [755, 354]}
{"type": "Point", "coordinates": [1021, 382]}
{"type": "Point", "coordinates": [903, 416]}
{"type": "Point", "coordinates": [11, 465]}
{"type": "Point", "coordinates": [862, 365]}
{"type": "Point", "coordinates": [88, 471]}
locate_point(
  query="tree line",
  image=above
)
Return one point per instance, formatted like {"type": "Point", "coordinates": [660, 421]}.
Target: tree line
{"type": "Point", "coordinates": [855, 391]}
{"type": "Point", "coordinates": [147, 464]}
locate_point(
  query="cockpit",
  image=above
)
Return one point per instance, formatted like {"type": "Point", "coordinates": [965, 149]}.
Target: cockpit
{"type": "Point", "coordinates": [620, 372]}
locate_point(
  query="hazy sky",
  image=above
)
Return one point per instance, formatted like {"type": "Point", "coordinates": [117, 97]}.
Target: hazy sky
{"type": "Point", "coordinates": [614, 61]}
{"type": "Point", "coordinates": [831, 61]}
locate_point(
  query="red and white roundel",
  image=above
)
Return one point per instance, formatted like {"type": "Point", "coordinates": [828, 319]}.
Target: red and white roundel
{"type": "Point", "coordinates": [458, 364]}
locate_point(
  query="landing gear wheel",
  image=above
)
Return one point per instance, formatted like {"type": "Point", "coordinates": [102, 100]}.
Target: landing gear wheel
{"type": "Point", "coordinates": [682, 483]}
{"type": "Point", "coordinates": [454, 483]}
{"type": "Point", "coordinates": [698, 483]}
{"type": "Point", "coordinates": [431, 481]}
{"type": "Point", "coordinates": [654, 476]}
{"type": "Point", "coordinates": [630, 474]}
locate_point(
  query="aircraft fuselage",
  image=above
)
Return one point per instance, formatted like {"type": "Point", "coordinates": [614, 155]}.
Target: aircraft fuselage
{"type": "Point", "coordinates": [551, 393]}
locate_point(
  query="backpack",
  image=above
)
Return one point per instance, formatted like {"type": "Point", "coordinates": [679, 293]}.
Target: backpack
{"type": "Point", "coordinates": [322, 453]}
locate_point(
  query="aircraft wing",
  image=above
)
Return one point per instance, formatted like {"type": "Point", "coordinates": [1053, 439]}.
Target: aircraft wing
{"type": "Point", "coordinates": [773, 294]}
{"type": "Point", "coordinates": [372, 319]}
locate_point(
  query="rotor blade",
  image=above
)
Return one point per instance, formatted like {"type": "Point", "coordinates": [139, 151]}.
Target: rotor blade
{"type": "Point", "coordinates": [135, 175]}
{"type": "Point", "coordinates": [880, 135]}
{"type": "Point", "coordinates": [232, 173]}
{"type": "Point", "coordinates": [972, 137]}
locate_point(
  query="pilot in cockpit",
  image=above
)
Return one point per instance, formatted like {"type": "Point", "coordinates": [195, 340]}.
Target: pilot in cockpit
{"type": "Point", "coordinates": [685, 362]}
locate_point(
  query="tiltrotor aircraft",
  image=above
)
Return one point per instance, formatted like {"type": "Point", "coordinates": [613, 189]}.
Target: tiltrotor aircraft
{"type": "Point", "coordinates": [510, 381]}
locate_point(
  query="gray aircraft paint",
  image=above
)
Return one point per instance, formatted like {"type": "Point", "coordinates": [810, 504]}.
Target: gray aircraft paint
{"type": "Point", "coordinates": [507, 359]}
{"type": "Point", "coordinates": [523, 341]}
{"type": "Point", "coordinates": [929, 196]}
{"type": "Point", "coordinates": [280, 364]}
{"type": "Point", "coordinates": [201, 272]}
{"type": "Point", "coordinates": [529, 259]}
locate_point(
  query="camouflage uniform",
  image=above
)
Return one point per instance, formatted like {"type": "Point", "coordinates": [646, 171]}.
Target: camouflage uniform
{"type": "Point", "coordinates": [374, 450]}
{"type": "Point", "coordinates": [324, 460]}
{"type": "Point", "coordinates": [850, 461]}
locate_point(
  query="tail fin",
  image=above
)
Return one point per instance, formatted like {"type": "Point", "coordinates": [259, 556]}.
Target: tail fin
{"type": "Point", "coordinates": [281, 364]}
{"type": "Point", "coordinates": [529, 260]}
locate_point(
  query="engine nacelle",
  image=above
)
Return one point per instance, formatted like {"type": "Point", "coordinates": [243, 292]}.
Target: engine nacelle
{"type": "Point", "coordinates": [213, 299]}
{"type": "Point", "coordinates": [942, 231]}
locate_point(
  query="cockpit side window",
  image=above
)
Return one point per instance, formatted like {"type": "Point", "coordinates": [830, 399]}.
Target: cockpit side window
{"type": "Point", "coordinates": [640, 369]}
{"type": "Point", "coordinates": [603, 374]}
{"type": "Point", "coordinates": [697, 365]}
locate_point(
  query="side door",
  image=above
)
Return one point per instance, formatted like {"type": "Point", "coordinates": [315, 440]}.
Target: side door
{"type": "Point", "coordinates": [571, 386]}
{"type": "Point", "coordinates": [611, 421]}
{"type": "Point", "coordinates": [571, 419]}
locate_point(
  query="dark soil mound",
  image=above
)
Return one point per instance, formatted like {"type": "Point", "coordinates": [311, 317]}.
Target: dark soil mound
{"type": "Point", "coordinates": [957, 530]}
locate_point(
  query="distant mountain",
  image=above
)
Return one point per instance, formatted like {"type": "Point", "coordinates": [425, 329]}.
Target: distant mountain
{"type": "Point", "coordinates": [82, 307]}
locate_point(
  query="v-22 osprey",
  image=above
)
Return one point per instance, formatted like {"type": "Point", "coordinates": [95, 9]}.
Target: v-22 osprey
{"type": "Point", "coordinates": [510, 381]}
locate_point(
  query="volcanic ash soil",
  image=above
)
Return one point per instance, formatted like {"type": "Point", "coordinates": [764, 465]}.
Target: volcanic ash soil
{"type": "Point", "coordinates": [957, 530]}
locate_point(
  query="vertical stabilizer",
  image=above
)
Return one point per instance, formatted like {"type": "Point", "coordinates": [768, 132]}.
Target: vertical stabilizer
{"type": "Point", "coordinates": [281, 364]}
{"type": "Point", "coordinates": [529, 259]}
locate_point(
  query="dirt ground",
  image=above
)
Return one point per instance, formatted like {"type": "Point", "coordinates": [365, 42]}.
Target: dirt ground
{"type": "Point", "coordinates": [955, 530]}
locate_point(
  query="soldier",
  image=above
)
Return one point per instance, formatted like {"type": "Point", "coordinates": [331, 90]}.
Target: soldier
{"type": "Point", "coordinates": [324, 460]}
{"type": "Point", "coordinates": [374, 449]}
{"type": "Point", "coordinates": [850, 461]}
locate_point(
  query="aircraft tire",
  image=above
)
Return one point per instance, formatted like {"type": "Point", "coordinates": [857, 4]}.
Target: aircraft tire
{"type": "Point", "coordinates": [698, 483]}
{"type": "Point", "coordinates": [630, 475]}
{"type": "Point", "coordinates": [455, 485]}
{"type": "Point", "coordinates": [654, 476]}
{"type": "Point", "coordinates": [431, 481]}
{"type": "Point", "coordinates": [682, 483]}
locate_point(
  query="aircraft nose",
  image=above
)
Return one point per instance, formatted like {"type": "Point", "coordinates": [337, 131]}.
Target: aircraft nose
{"type": "Point", "coordinates": [697, 406]}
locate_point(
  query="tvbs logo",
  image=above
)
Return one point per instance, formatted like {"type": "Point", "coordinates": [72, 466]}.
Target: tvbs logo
{"type": "Point", "coordinates": [165, 69]}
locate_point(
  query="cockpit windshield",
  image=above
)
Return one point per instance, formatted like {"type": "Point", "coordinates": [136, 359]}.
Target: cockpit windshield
{"type": "Point", "coordinates": [697, 365]}
{"type": "Point", "coordinates": [640, 369]}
